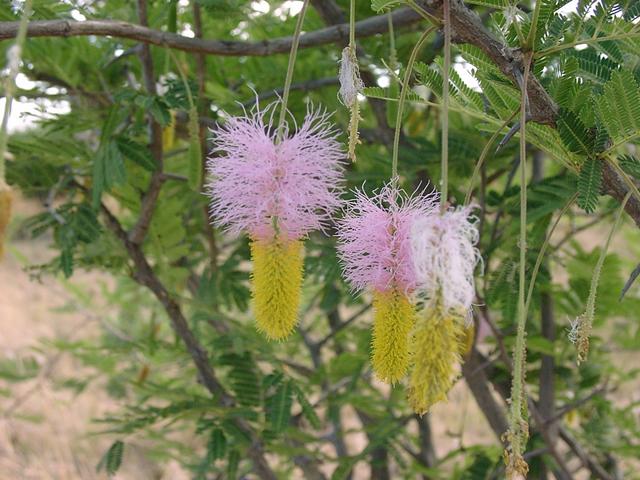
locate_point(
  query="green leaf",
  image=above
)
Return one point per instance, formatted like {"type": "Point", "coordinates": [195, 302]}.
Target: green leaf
{"type": "Point", "coordinates": [66, 262]}
{"type": "Point", "coordinates": [136, 152]}
{"type": "Point", "coordinates": [619, 107]}
{"type": "Point", "coordinates": [112, 460]}
{"type": "Point", "coordinates": [18, 369]}
{"type": "Point", "coordinates": [85, 223]}
{"type": "Point", "coordinates": [630, 165]}
{"type": "Point", "coordinates": [108, 170]}
{"type": "Point", "coordinates": [589, 183]}
{"type": "Point", "coordinates": [233, 461]}
{"type": "Point", "coordinates": [279, 407]}
{"type": "Point", "coordinates": [244, 380]}
{"type": "Point", "coordinates": [307, 408]}
{"type": "Point", "coordinates": [110, 124]}
{"type": "Point", "coordinates": [573, 133]}
{"type": "Point", "coordinates": [217, 446]}
{"type": "Point", "coordinates": [160, 111]}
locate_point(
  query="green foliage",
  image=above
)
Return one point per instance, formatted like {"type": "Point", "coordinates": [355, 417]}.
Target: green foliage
{"type": "Point", "coordinates": [574, 134]}
{"type": "Point", "coordinates": [112, 459]}
{"type": "Point", "coordinates": [279, 407]}
{"type": "Point", "coordinates": [589, 185]}
{"type": "Point", "coordinates": [619, 107]}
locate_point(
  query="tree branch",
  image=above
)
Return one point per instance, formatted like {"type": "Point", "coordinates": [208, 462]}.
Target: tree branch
{"type": "Point", "coordinates": [148, 206]}
{"type": "Point", "coordinates": [141, 33]}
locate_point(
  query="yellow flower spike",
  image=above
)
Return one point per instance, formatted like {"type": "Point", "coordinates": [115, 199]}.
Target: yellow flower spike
{"type": "Point", "coordinates": [393, 319]}
{"type": "Point", "coordinates": [169, 133]}
{"type": "Point", "coordinates": [6, 198]}
{"type": "Point", "coordinates": [277, 281]}
{"type": "Point", "coordinates": [466, 341]}
{"type": "Point", "coordinates": [436, 344]}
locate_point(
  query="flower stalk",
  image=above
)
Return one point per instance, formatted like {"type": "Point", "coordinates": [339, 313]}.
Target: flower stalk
{"type": "Point", "coordinates": [518, 433]}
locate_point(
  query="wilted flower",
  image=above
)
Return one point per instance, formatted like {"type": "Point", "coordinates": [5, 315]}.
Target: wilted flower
{"type": "Point", "coordinates": [350, 82]}
{"type": "Point", "coordinates": [436, 346]}
{"type": "Point", "coordinates": [350, 86]}
{"type": "Point", "coordinates": [375, 249]}
{"type": "Point", "coordinates": [276, 193]}
{"type": "Point", "coordinates": [445, 256]}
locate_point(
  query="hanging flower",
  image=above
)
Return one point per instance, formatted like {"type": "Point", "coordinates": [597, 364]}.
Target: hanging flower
{"type": "Point", "coordinates": [350, 86]}
{"type": "Point", "coordinates": [375, 249]}
{"type": "Point", "coordinates": [436, 343]}
{"type": "Point", "coordinates": [445, 256]}
{"type": "Point", "coordinates": [276, 193]}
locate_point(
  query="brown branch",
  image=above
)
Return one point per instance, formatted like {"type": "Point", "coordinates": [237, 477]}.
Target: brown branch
{"type": "Point", "coordinates": [148, 206]}
{"type": "Point", "coordinates": [141, 33]}
{"type": "Point", "coordinates": [479, 385]}
{"type": "Point", "coordinates": [594, 467]}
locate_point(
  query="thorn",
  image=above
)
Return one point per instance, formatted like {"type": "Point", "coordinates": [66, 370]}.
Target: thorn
{"type": "Point", "coordinates": [511, 133]}
{"type": "Point", "coordinates": [632, 278]}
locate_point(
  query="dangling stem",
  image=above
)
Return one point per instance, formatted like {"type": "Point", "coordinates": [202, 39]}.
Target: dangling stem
{"type": "Point", "coordinates": [401, 101]}
{"type": "Point", "coordinates": [586, 320]}
{"type": "Point", "coordinates": [393, 54]}
{"type": "Point", "coordinates": [518, 425]}
{"type": "Point", "coordinates": [289, 76]}
{"type": "Point", "coordinates": [543, 251]}
{"type": "Point", "coordinates": [13, 57]}
{"type": "Point", "coordinates": [352, 24]}
{"type": "Point", "coordinates": [444, 186]}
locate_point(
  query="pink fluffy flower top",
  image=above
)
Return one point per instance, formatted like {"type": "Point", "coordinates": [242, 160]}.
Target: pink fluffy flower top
{"type": "Point", "coordinates": [445, 256]}
{"type": "Point", "coordinates": [257, 183]}
{"type": "Point", "coordinates": [374, 238]}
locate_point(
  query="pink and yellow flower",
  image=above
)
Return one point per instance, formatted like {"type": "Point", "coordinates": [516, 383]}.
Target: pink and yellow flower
{"type": "Point", "coordinates": [276, 192]}
{"type": "Point", "coordinates": [375, 249]}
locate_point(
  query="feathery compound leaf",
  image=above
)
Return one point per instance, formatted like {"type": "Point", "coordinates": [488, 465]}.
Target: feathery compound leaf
{"type": "Point", "coordinates": [108, 170]}
{"type": "Point", "coordinates": [630, 164]}
{"type": "Point", "coordinates": [279, 407]}
{"type": "Point", "coordinates": [243, 378]}
{"type": "Point", "coordinates": [619, 107]}
{"type": "Point", "coordinates": [589, 183]}
{"type": "Point", "coordinates": [136, 152]}
{"type": "Point", "coordinates": [112, 460]}
{"type": "Point", "coordinates": [307, 408]}
{"type": "Point", "coordinates": [217, 446]}
{"type": "Point", "coordinates": [573, 133]}
{"type": "Point", "coordinates": [233, 461]}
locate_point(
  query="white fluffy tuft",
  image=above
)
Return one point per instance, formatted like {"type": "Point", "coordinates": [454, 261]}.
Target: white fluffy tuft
{"type": "Point", "coordinates": [445, 256]}
{"type": "Point", "coordinates": [349, 76]}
